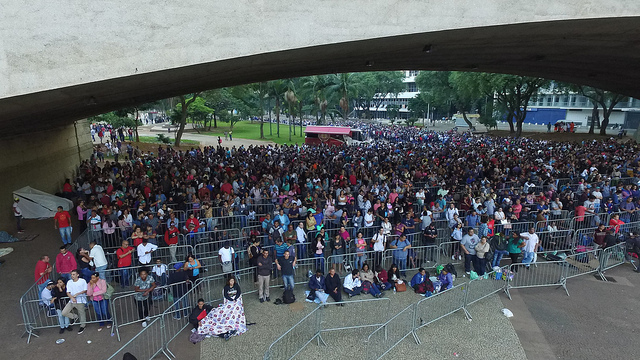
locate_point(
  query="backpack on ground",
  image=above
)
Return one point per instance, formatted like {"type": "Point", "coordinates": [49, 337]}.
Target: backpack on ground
{"type": "Point", "coordinates": [288, 297]}
{"type": "Point", "coordinates": [451, 269]}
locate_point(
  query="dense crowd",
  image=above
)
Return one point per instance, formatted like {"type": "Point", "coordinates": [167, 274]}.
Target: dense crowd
{"type": "Point", "coordinates": [388, 191]}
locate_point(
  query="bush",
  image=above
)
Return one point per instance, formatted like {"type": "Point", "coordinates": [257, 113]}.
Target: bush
{"type": "Point", "coordinates": [164, 139]}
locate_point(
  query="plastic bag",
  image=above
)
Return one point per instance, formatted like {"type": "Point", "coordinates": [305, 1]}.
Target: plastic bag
{"type": "Point", "coordinates": [506, 312]}
{"type": "Point", "coordinates": [473, 275]}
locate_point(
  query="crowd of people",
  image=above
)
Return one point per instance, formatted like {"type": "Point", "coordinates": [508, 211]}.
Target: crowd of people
{"type": "Point", "coordinates": [391, 192]}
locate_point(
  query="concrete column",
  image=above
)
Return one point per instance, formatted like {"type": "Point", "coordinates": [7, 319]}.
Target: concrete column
{"type": "Point", "coordinates": [42, 160]}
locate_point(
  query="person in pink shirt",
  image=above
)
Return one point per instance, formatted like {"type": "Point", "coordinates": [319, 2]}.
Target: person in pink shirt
{"type": "Point", "coordinates": [96, 290]}
{"type": "Point", "coordinates": [81, 209]}
{"type": "Point", "coordinates": [517, 208]}
{"type": "Point", "coordinates": [65, 263]}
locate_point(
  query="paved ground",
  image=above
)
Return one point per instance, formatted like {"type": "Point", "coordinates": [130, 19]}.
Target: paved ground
{"type": "Point", "coordinates": [204, 139]}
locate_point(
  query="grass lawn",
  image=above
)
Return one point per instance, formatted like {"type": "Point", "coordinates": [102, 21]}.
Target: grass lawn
{"type": "Point", "coordinates": [154, 140]}
{"type": "Point", "coordinates": [249, 130]}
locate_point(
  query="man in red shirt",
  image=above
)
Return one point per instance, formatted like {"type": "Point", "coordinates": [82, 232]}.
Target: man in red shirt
{"type": "Point", "coordinates": [65, 263]}
{"type": "Point", "coordinates": [124, 261]}
{"type": "Point", "coordinates": [171, 239]}
{"type": "Point", "coordinates": [62, 221]}
{"type": "Point", "coordinates": [43, 269]}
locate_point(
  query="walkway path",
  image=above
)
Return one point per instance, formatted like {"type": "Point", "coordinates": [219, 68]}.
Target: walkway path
{"type": "Point", "coordinates": [205, 140]}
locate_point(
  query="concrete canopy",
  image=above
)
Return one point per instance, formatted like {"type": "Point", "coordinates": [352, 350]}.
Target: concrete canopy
{"type": "Point", "coordinates": [66, 61]}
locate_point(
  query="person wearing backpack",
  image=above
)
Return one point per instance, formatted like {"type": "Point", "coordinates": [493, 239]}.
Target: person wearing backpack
{"type": "Point", "coordinates": [499, 245]}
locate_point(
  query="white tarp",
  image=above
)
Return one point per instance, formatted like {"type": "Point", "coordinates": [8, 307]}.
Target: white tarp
{"type": "Point", "coordinates": [36, 204]}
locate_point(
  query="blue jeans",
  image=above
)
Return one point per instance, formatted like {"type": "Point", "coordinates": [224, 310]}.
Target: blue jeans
{"type": "Point", "coordinates": [101, 270]}
{"type": "Point", "coordinates": [66, 277]}
{"type": "Point", "coordinates": [124, 278]}
{"type": "Point", "coordinates": [528, 258]}
{"type": "Point", "coordinates": [319, 261]}
{"type": "Point", "coordinates": [374, 290]}
{"type": "Point", "coordinates": [181, 305]}
{"type": "Point", "coordinates": [302, 251]}
{"type": "Point", "coordinates": [360, 261]}
{"type": "Point", "coordinates": [288, 281]}
{"type": "Point", "coordinates": [102, 310]}
{"type": "Point", "coordinates": [65, 233]}
{"type": "Point", "coordinates": [354, 292]}
{"type": "Point", "coordinates": [497, 256]}
{"type": "Point", "coordinates": [62, 320]}
{"type": "Point", "coordinates": [402, 265]}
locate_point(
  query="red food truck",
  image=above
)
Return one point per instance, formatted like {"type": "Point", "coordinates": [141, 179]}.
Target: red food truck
{"type": "Point", "coordinates": [332, 135]}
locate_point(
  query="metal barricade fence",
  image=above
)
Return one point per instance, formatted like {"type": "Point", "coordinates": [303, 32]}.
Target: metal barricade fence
{"type": "Point", "coordinates": [146, 344]}
{"type": "Point", "coordinates": [559, 223]}
{"type": "Point", "coordinates": [391, 333]}
{"type": "Point", "coordinates": [483, 287]}
{"type": "Point", "coordinates": [165, 254]}
{"type": "Point", "coordinates": [588, 220]}
{"type": "Point", "coordinates": [612, 257]}
{"type": "Point", "coordinates": [439, 305]}
{"type": "Point", "coordinates": [561, 240]}
{"type": "Point", "coordinates": [211, 248]}
{"type": "Point", "coordinates": [41, 316]}
{"type": "Point", "coordinates": [176, 318]}
{"type": "Point", "coordinates": [548, 273]}
{"type": "Point", "coordinates": [423, 257]}
{"type": "Point", "coordinates": [370, 313]}
{"type": "Point", "coordinates": [582, 263]}
{"type": "Point", "coordinates": [449, 249]}
{"type": "Point", "coordinates": [126, 310]}
{"type": "Point", "coordinates": [289, 344]}
{"type": "Point", "coordinates": [372, 258]}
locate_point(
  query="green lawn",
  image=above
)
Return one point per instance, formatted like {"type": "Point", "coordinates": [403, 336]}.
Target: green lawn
{"type": "Point", "coordinates": [154, 140]}
{"type": "Point", "coordinates": [249, 130]}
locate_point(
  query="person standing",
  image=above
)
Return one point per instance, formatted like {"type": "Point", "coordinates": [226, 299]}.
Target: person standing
{"type": "Point", "coordinates": [531, 245]}
{"type": "Point", "coordinates": [144, 251]}
{"type": "Point", "coordinates": [286, 264]}
{"type": "Point", "coordinates": [65, 263]}
{"type": "Point", "coordinates": [17, 214]}
{"type": "Point", "coordinates": [180, 285]}
{"type": "Point", "coordinates": [76, 291]}
{"type": "Point", "coordinates": [171, 238]}
{"type": "Point", "coordinates": [96, 290]}
{"type": "Point", "coordinates": [401, 246]}
{"type": "Point", "coordinates": [62, 222]}
{"type": "Point", "coordinates": [301, 237]}
{"type": "Point", "coordinates": [144, 285]}
{"type": "Point", "coordinates": [379, 241]}
{"type": "Point", "coordinates": [96, 255]}
{"type": "Point", "coordinates": [264, 263]}
{"type": "Point", "coordinates": [226, 255]}
{"type": "Point", "coordinates": [43, 269]}
{"type": "Point", "coordinates": [500, 245]}
{"type": "Point", "coordinates": [481, 249]}
{"type": "Point", "coordinates": [468, 247]}
{"type": "Point", "coordinates": [82, 210]}
{"type": "Point", "coordinates": [254, 253]}
{"type": "Point", "coordinates": [125, 260]}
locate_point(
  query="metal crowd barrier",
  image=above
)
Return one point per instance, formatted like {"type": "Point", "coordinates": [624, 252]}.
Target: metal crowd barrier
{"type": "Point", "coordinates": [391, 333]}
{"type": "Point", "coordinates": [611, 257]}
{"type": "Point", "coordinates": [146, 344]}
{"type": "Point", "coordinates": [548, 273]}
{"type": "Point", "coordinates": [439, 305]}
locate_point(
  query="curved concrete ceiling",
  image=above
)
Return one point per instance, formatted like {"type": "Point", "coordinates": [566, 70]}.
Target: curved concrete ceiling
{"type": "Point", "coordinates": [139, 57]}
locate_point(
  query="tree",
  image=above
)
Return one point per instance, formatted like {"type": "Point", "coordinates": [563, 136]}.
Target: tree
{"type": "Point", "coordinates": [277, 90]}
{"type": "Point", "coordinates": [134, 110]}
{"type": "Point", "coordinates": [418, 105]}
{"type": "Point", "coordinates": [606, 100]}
{"type": "Point", "coordinates": [114, 119]}
{"type": "Point", "coordinates": [220, 101]}
{"type": "Point", "coordinates": [290, 98]}
{"type": "Point", "coordinates": [182, 109]}
{"type": "Point", "coordinates": [393, 110]}
{"type": "Point", "coordinates": [317, 86]}
{"type": "Point", "coordinates": [377, 86]}
{"type": "Point", "coordinates": [344, 86]}
{"type": "Point", "coordinates": [513, 93]}
{"type": "Point", "coordinates": [444, 88]}
{"type": "Point", "coordinates": [199, 113]}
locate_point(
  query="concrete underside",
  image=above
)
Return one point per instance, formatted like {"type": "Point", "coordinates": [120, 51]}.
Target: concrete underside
{"type": "Point", "coordinates": [42, 160]}
{"type": "Point", "coordinates": [64, 61]}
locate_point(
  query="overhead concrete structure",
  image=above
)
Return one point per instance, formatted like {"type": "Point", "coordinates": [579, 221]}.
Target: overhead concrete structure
{"type": "Point", "coordinates": [65, 60]}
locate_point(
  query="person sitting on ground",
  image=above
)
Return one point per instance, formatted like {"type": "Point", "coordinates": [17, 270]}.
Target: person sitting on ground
{"type": "Point", "coordinates": [352, 284]}
{"type": "Point", "coordinates": [382, 278]}
{"type": "Point", "coordinates": [421, 283]}
{"type": "Point", "coordinates": [445, 279]}
{"type": "Point", "coordinates": [368, 281]}
{"type": "Point", "coordinates": [393, 274]}
{"type": "Point", "coordinates": [333, 286]}
{"type": "Point", "coordinates": [317, 285]}
{"type": "Point", "coordinates": [198, 313]}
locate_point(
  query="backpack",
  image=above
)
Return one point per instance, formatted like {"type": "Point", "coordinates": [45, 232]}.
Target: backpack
{"type": "Point", "coordinates": [196, 338]}
{"type": "Point", "coordinates": [288, 297]}
{"type": "Point", "coordinates": [109, 293]}
{"type": "Point", "coordinates": [451, 269]}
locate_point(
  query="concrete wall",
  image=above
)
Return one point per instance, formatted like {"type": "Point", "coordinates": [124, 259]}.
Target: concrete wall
{"type": "Point", "coordinates": [42, 160]}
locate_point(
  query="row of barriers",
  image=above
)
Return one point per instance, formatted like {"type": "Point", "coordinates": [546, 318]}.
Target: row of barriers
{"type": "Point", "coordinates": [460, 297]}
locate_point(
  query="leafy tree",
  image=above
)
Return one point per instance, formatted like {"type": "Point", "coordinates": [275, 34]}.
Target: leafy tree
{"type": "Point", "coordinates": [418, 105]}
{"type": "Point", "coordinates": [393, 110]}
{"type": "Point", "coordinates": [513, 93]}
{"type": "Point", "coordinates": [220, 101]}
{"type": "Point", "coordinates": [411, 121]}
{"type": "Point", "coordinates": [444, 88]}
{"type": "Point", "coordinates": [113, 119]}
{"type": "Point", "coordinates": [277, 90]}
{"type": "Point", "coordinates": [317, 86]}
{"type": "Point", "coordinates": [199, 113]}
{"type": "Point", "coordinates": [599, 98]}
{"type": "Point", "coordinates": [374, 87]}
{"type": "Point", "coordinates": [135, 111]}
{"type": "Point", "coordinates": [344, 85]}
{"type": "Point", "coordinates": [181, 112]}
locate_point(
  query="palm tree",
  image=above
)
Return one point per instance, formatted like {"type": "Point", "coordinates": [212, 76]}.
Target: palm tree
{"type": "Point", "coordinates": [317, 85]}
{"type": "Point", "coordinates": [277, 88]}
{"type": "Point", "coordinates": [290, 98]}
{"type": "Point", "coordinates": [344, 86]}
